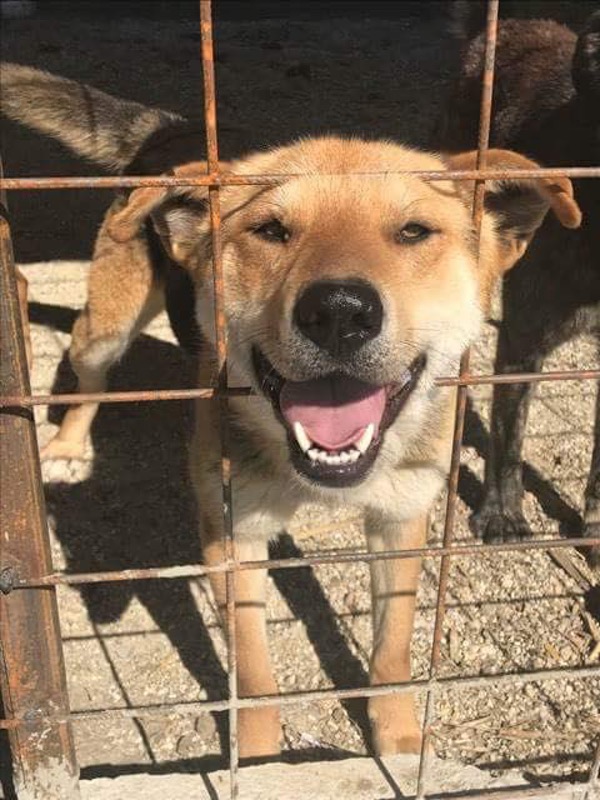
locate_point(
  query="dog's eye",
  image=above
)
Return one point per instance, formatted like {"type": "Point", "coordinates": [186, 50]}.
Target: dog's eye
{"type": "Point", "coordinates": [273, 231]}
{"type": "Point", "coordinates": [411, 233]}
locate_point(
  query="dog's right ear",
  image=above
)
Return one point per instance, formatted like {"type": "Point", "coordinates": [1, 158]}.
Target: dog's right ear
{"type": "Point", "coordinates": [586, 63]}
{"type": "Point", "coordinates": [517, 205]}
{"type": "Point", "coordinates": [178, 214]}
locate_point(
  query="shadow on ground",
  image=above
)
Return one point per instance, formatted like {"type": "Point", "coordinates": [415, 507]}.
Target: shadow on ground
{"type": "Point", "coordinates": [118, 518]}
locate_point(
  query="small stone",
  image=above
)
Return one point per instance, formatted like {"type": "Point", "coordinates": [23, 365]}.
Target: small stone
{"type": "Point", "coordinates": [455, 646]}
{"type": "Point", "coordinates": [187, 745]}
{"type": "Point", "coordinates": [205, 727]}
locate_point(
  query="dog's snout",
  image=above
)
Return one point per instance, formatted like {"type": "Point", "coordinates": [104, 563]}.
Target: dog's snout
{"type": "Point", "coordinates": [339, 316]}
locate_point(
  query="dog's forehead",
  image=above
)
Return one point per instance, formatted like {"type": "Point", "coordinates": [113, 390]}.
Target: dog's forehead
{"type": "Point", "coordinates": [336, 156]}
{"type": "Point", "coordinates": [314, 198]}
{"type": "Point", "coordinates": [349, 175]}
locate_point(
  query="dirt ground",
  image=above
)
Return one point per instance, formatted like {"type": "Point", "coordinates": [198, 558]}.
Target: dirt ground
{"type": "Point", "coordinates": [129, 503]}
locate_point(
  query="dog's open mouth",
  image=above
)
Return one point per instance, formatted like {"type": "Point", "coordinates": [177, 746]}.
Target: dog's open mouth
{"type": "Point", "coordinates": [335, 424]}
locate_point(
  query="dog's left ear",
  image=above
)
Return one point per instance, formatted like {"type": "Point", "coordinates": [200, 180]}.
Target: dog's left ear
{"type": "Point", "coordinates": [178, 214]}
{"type": "Point", "coordinates": [518, 205]}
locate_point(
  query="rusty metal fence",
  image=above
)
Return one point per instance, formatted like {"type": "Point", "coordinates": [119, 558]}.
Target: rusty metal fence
{"type": "Point", "coordinates": [32, 674]}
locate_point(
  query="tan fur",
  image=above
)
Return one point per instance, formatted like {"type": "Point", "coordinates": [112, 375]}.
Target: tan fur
{"type": "Point", "coordinates": [435, 294]}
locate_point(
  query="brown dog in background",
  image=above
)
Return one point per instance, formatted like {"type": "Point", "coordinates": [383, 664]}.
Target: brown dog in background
{"type": "Point", "coordinates": [546, 104]}
{"type": "Point", "coordinates": [345, 297]}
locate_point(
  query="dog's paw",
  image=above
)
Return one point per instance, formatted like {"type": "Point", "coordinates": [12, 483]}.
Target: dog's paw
{"type": "Point", "coordinates": [394, 725]}
{"type": "Point", "coordinates": [259, 732]}
{"type": "Point", "coordinates": [62, 449]}
{"type": "Point", "coordinates": [495, 524]}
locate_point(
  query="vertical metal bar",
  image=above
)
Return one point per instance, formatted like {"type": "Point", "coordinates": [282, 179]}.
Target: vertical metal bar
{"type": "Point", "coordinates": [210, 116]}
{"type": "Point", "coordinates": [32, 673]}
{"type": "Point", "coordinates": [462, 391]}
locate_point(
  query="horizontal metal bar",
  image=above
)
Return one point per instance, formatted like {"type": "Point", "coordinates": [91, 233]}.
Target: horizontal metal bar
{"type": "Point", "coordinates": [144, 396]}
{"type": "Point", "coordinates": [521, 377]}
{"type": "Point", "coordinates": [149, 395]}
{"type": "Point", "coordinates": [314, 695]}
{"type": "Point", "coordinates": [126, 181]}
{"type": "Point", "coordinates": [332, 557]}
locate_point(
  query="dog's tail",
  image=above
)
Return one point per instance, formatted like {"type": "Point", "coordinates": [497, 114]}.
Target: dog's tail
{"type": "Point", "coordinates": [91, 123]}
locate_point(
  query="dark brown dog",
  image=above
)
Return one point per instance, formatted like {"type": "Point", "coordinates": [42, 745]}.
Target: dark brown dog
{"type": "Point", "coordinates": [547, 105]}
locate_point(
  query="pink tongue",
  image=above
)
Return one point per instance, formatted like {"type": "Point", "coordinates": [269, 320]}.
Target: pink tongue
{"type": "Point", "coordinates": [334, 411]}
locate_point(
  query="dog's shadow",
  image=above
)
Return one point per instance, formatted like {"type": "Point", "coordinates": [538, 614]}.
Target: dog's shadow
{"type": "Point", "coordinates": [136, 509]}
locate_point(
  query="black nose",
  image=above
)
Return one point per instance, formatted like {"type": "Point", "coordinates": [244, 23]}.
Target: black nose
{"type": "Point", "coordinates": [339, 316]}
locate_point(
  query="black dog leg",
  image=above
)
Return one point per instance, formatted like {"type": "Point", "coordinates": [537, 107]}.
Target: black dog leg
{"type": "Point", "coordinates": [500, 518]}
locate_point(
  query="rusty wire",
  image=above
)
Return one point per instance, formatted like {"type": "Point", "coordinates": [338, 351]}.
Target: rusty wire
{"type": "Point", "coordinates": [308, 696]}
{"type": "Point", "coordinates": [126, 181]}
{"type": "Point", "coordinates": [205, 393]}
{"type": "Point", "coordinates": [210, 120]}
{"type": "Point", "coordinates": [214, 181]}
{"type": "Point", "coordinates": [10, 579]}
{"type": "Point", "coordinates": [485, 115]}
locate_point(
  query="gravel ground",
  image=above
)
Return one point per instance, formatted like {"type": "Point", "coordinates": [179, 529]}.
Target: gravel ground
{"type": "Point", "coordinates": [129, 503]}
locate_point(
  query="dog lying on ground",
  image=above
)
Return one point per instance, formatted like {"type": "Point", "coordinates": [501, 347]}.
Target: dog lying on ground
{"type": "Point", "coordinates": [546, 105]}
{"type": "Point", "coordinates": [345, 297]}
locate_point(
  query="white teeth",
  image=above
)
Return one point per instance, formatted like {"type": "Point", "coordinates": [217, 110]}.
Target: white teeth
{"type": "Point", "coordinates": [366, 438]}
{"type": "Point", "coordinates": [303, 440]}
{"type": "Point", "coordinates": [345, 457]}
{"type": "Point", "coordinates": [335, 459]}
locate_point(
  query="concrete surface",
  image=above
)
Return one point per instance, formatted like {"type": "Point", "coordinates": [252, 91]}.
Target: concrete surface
{"type": "Point", "coordinates": [355, 779]}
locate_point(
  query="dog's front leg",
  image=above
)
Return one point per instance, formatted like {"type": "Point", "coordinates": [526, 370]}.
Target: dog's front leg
{"type": "Point", "coordinates": [259, 729]}
{"type": "Point", "coordinates": [394, 585]}
{"type": "Point", "coordinates": [124, 295]}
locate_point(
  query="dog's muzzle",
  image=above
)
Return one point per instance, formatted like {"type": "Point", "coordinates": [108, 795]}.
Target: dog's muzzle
{"type": "Point", "coordinates": [335, 424]}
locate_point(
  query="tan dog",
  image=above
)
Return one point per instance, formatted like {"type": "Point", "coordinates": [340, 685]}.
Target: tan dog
{"type": "Point", "coordinates": [346, 296]}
